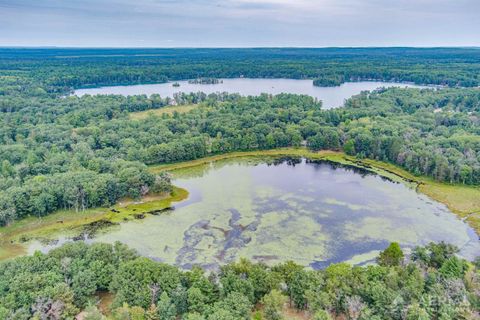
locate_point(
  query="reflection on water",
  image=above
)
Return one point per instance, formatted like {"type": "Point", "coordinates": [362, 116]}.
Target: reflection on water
{"type": "Point", "coordinates": [314, 213]}
{"type": "Point", "coordinates": [331, 96]}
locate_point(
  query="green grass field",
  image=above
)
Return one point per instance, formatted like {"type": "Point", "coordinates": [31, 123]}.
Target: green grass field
{"type": "Point", "coordinates": [141, 115]}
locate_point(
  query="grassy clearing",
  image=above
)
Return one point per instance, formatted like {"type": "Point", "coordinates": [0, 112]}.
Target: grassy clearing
{"type": "Point", "coordinates": [460, 199]}
{"type": "Point", "coordinates": [68, 221]}
{"type": "Point", "coordinates": [463, 200]}
{"type": "Point", "coordinates": [141, 115]}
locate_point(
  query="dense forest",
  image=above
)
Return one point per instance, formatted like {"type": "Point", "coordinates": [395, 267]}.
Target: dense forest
{"type": "Point", "coordinates": [58, 70]}
{"type": "Point", "coordinates": [431, 284]}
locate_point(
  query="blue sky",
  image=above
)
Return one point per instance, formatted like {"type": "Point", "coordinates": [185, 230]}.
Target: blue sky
{"type": "Point", "coordinates": [239, 23]}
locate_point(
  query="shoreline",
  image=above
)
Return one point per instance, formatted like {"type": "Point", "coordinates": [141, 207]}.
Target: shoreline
{"type": "Point", "coordinates": [13, 238]}
{"type": "Point", "coordinates": [463, 201]}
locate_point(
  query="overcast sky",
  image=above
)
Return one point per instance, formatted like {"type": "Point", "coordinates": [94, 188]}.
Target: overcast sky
{"type": "Point", "coordinates": [239, 23]}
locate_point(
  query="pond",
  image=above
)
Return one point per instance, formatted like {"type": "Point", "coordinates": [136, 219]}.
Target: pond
{"type": "Point", "coordinates": [274, 210]}
{"type": "Point", "coordinates": [331, 96]}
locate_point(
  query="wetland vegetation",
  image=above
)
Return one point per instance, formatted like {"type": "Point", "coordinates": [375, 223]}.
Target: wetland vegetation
{"type": "Point", "coordinates": [313, 212]}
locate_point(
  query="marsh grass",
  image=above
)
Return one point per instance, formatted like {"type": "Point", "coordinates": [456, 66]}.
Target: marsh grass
{"type": "Point", "coordinates": [73, 223]}
{"type": "Point", "coordinates": [170, 110]}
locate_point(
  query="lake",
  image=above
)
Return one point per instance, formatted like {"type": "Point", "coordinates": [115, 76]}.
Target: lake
{"type": "Point", "coordinates": [331, 96]}
{"type": "Point", "coordinates": [314, 213]}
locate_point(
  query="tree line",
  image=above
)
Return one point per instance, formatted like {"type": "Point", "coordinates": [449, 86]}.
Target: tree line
{"type": "Point", "coordinates": [54, 71]}
{"type": "Point", "coordinates": [432, 283]}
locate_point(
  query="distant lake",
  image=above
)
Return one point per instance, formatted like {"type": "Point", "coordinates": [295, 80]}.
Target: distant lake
{"type": "Point", "coordinates": [314, 213]}
{"type": "Point", "coordinates": [331, 96]}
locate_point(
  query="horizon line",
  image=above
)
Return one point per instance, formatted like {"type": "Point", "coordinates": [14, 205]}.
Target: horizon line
{"type": "Point", "coordinates": [240, 47]}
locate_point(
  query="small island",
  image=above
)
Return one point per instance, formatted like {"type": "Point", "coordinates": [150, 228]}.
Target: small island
{"type": "Point", "coordinates": [329, 81]}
